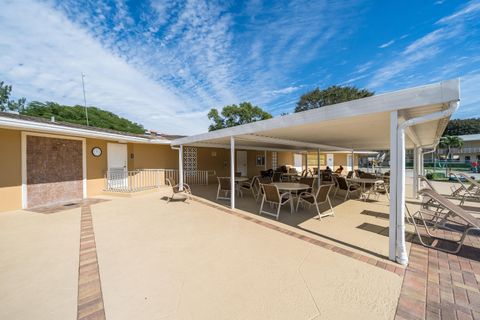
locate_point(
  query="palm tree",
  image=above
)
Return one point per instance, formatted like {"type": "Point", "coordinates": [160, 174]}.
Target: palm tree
{"type": "Point", "coordinates": [450, 142]}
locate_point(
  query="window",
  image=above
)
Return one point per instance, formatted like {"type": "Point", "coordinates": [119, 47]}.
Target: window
{"type": "Point", "coordinates": [467, 159]}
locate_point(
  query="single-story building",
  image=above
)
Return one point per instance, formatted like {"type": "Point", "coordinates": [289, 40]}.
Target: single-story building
{"type": "Point", "coordinates": [46, 162]}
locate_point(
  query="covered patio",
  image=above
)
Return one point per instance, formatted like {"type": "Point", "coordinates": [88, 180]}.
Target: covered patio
{"type": "Point", "coordinates": [408, 119]}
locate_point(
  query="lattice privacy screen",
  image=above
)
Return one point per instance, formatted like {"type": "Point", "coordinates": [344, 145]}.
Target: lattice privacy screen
{"type": "Point", "coordinates": [190, 160]}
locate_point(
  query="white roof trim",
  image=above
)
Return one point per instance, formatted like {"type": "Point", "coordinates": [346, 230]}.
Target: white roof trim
{"type": "Point", "coordinates": [436, 93]}
{"type": "Point", "coordinates": [19, 124]}
{"type": "Point", "coordinates": [300, 144]}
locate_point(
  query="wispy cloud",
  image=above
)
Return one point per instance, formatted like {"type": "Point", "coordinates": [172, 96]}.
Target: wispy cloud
{"type": "Point", "coordinates": [423, 50]}
{"type": "Point", "coordinates": [386, 44]}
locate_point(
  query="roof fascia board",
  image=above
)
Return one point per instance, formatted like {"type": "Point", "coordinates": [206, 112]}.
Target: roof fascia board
{"type": "Point", "coordinates": [431, 94]}
{"type": "Point", "coordinates": [240, 147]}
{"type": "Point", "coordinates": [56, 129]}
{"type": "Point", "coordinates": [306, 145]}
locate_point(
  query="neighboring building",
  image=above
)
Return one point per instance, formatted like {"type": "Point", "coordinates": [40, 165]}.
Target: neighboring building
{"type": "Point", "coordinates": [45, 162]}
{"type": "Point", "coordinates": [470, 152]}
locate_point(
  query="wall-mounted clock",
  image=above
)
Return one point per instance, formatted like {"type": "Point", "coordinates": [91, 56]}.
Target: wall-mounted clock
{"type": "Point", "coordinates": [97, 152]}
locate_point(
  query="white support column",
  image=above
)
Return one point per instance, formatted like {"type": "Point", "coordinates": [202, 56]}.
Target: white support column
{"type": "Point", "coordinates": [402, 256]}
{"type": "Point", "coordinates": [392, 232]}
{"type": "Point", "coordinates": [306, 161]}
{"type": "Point", "coordinates": [420, 166]}
{"type": "Point", "coordinates": [232, 172]}
{"type": "Point", "coordinates": [180, 167]}
{"type": "Point", "coordinates": [353, 160]}
{"type": "Point", "coordinates": [319, 175]}
{"type": "Point", "coordinates": [415, 172]}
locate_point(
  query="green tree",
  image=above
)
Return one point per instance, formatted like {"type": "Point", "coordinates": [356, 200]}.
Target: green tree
{"type": "Point", "coordinates": [318, 98]}
{"type": "Point", "coordinates": [6, 104]}
{"type": "Point", "coordinates": [233, 115]}
{"type": "Point", "coordinates": [449, 142]}
{"type": "Point", "coordinates": [458, 127]}
{"type": "Point", "coordinates": [76, 114]}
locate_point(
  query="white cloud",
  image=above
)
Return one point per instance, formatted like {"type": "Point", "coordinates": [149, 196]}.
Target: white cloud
{"type": "Point", "coordinates": [420, 51]}
{"type": "Point", "coordinates": [471, 8]}
{"type": "Point", "coordinates": [286, 90]}
{"type": "Point", "coordinates": [386, 44]}
{"type": "Point", "coordinates": [469, 97]}
{"type": "Point", "coordinates": [44, 54]}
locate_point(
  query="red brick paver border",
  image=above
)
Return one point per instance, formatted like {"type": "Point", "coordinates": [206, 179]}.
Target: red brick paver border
{"type": "Point", "coordinates": [90, 298]}
{"type": "Point", "coordinates": [397, 269]}
{"type": "Point", "coordinates": [439, 285]}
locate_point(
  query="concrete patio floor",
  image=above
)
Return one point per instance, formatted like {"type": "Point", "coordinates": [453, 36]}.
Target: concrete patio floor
{"type": "Point", "coordinates": [183, 260]}
{"type": "Point", "coordinates": [357, 225]}
{"type": "Point", "coordinates": [144, 258]}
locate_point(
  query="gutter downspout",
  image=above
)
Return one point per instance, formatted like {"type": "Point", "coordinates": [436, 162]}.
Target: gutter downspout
{"type": "Point", "coordinates": [401, 251]}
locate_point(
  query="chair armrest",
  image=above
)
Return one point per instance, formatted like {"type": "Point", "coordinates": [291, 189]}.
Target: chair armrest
{"type": "Point", "coordinates": [306, 193]}
{"type": "Point", "coordinates": [284, 194]}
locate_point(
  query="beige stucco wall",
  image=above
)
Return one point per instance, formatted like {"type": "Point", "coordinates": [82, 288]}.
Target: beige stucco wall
{"type": "Point", "coordinates": [148, 156]}
{"type": "Point", "coordinates": [11, 170]}
{"type": "Point", "coordinates": [214, 159]}
{"type": "Point", "coordinates": [96, 167]}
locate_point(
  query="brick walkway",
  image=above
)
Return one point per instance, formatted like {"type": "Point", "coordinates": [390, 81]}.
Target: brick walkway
{"type": "Point", "coordinates": [90, 298]}
{"type": "Point", "coordinates": [438, 285]}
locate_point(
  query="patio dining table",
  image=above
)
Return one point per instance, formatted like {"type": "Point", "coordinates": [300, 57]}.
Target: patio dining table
{"type": "Point", "coordinates": [239, 180]}
{"type": "Point", "coordinates": [364, 181]}
{"type": "Point", "coordinates": [291, 187]}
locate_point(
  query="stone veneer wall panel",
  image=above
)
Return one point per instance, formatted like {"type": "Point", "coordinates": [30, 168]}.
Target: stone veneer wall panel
{"type": "Point", "coordinates": [54, 170]}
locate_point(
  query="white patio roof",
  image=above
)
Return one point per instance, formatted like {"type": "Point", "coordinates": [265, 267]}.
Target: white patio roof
{"type": "Point", "coordinates": [362, 124]}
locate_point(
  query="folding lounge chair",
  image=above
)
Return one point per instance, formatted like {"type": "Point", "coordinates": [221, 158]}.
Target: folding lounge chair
{"type": "Point", "coordinates": [274, 198]}
{"type": "Point", "coordinates": [320, 197]}
{"type": "Point", "coordinates": [464, 193]}
{"type": "Point", "coordinates": [176, 189]}
{"type": "Point", "coordinates": [474, 184]}
{"type": "Point", "coordinates": [437, 212]}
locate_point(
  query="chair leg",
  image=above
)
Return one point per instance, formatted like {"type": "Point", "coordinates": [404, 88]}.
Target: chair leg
{"type": "Point", "coordinates": [261, 206]}
{"type": "Point", "coordinates": [318, 210]}
{"type": "Point", "coordinates": [330, 204]}
{"type": "Point", "coordinates": [279, 206]}
{"type": "Point", "coordinates": [298, 202]}
{"type": "Point", "coordinates": [346, 195]}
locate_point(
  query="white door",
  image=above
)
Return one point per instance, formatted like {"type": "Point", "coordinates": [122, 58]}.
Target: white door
{"type": "Point", "coordinates": [242, 163]}
{"type": "Point", "coordinates": [117, 165]}
{"type": "Point", "coordinates": [330, 160]}
{"type": "Point", "coordinates": [298, 161]}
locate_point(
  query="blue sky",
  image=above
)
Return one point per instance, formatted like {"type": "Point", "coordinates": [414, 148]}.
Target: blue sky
{"type": "Point", "coordinates": [166, 63]}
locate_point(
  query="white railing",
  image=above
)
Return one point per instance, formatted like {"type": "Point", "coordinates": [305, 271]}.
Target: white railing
{"type": "Point", "coordinates": [144, 179]}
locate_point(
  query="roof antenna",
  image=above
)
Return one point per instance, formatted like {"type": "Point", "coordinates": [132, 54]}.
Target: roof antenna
{"type": "Point", "coordinates": [84, 97]}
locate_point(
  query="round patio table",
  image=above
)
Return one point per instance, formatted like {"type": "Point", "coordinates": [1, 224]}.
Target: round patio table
{"type": "Point", "coordinates": [237, 181]}
{"type": "Point", "coordinates": [290, 187]}
{"type": "Point", "coordinates": [364, 181]}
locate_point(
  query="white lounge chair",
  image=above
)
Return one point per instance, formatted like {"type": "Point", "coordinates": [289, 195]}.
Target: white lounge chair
{"type": "Point", "coordinates": [437, 212]}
